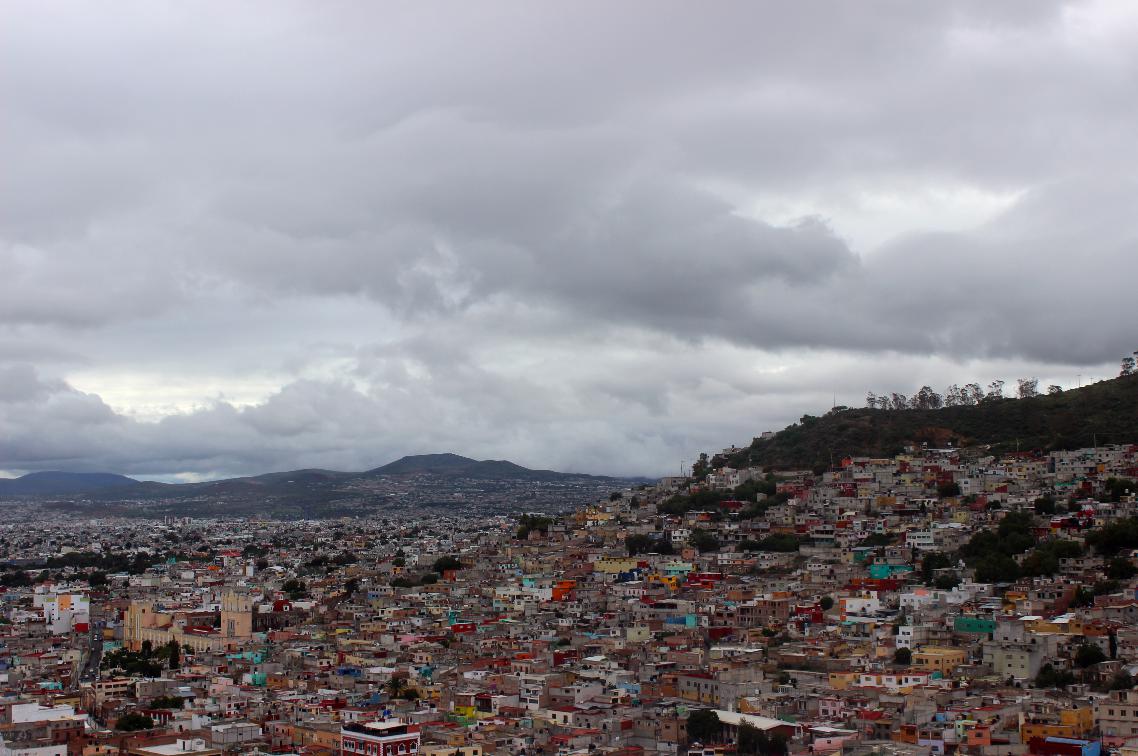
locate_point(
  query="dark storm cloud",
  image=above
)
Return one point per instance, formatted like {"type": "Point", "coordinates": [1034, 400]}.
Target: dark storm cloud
{"type": "Point", "coordinates": [661, 256]}
{"type": "Point", "coordinates": [544, 227]}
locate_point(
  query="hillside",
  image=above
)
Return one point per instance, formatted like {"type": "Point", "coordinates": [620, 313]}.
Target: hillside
{"type": "Point", "coordinates": [1104, 412]}
{"type": "Point", "coordinates": [52, 483]}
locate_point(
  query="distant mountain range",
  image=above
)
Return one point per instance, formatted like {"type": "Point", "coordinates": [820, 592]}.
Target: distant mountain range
{"type": "Point", "coordinates": [54, 483]}
{"type": "Point", "coordinates": [436, 466]}
{"type": "Point", "coordinates": [1101, 413]}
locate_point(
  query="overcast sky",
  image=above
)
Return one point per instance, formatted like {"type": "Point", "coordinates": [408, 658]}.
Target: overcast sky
{"type": "Point", "coordinates": [588, 236]}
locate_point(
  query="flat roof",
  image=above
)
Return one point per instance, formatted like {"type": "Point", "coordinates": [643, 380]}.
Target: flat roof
{"type": "Point", "coordinates": [172, 749]}
{"type": "Point", "coordinates": [754, 720]}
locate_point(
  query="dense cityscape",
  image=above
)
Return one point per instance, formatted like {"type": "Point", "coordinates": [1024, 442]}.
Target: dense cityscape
{"type": "Point", "coordinates": [940, 601]}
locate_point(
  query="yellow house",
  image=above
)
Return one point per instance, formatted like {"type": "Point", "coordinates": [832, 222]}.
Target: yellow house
{"type": "Point", "coordinates": [842, 680]}
{"type": "Point", "coordinates": [939, 659]}
{"type": "Point", "coordinates": [671, 582]}
{"type": "Point", "coordinates": [1073, 723]}
{"type": "Point", "coordinates": [1083, 719]}
{"type": "Point", "coordinates": [1068, 626]}
{"type": "Point", "coordinates": [468, 712]}
{"type": "Point", "coordinates": [613, 565]}
{"type": "Point", "coordinates": [1029, 730]}
{"type": "Point", "coordinates": [1011, 598]}
{"type": "Point", "coordinates": [68, 700]}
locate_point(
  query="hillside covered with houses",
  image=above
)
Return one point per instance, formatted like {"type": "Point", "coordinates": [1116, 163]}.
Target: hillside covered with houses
{"type": "Point", "coordinates": [940, 601]}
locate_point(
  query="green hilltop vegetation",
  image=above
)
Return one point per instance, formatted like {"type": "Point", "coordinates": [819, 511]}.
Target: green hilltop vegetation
{"type": "Point", "coordinates": [1104, 413]}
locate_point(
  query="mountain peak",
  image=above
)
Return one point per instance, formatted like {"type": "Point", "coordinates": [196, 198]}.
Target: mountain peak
{"type": "Point", "coordinates": [456, 466]}
{"type": "Point", "coordinates": [424, 463]}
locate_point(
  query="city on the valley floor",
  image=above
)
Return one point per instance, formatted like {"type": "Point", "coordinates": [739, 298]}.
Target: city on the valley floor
{"type": "Point", "coordinates": [940, 601]}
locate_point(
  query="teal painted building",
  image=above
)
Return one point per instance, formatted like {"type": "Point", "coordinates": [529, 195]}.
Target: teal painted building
{"type": "Point", "coordinates": [974, 625]}
{"type": "Point", "coordinates": [881, 571]}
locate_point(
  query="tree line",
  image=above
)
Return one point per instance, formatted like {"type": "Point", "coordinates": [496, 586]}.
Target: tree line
{"type": "Point", "coordinates": [969, 394]}
{"type": "Point", "coordinates": [973, 393]}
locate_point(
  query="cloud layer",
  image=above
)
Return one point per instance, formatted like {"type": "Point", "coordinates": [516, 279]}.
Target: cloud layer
{"type": "Point", "coordinates": [583, 236]}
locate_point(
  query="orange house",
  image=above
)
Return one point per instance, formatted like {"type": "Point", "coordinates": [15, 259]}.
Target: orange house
{"type": "Point", "coordinates": [980, 735]}
{"type": "Point", "coordinates": [563, 590]}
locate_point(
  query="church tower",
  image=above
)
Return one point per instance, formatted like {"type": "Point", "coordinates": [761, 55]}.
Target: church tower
{"type": "Point", "coordinates": [236, 615]}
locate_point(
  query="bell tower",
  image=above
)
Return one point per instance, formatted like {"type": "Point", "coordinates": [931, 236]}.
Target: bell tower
{"type": "Point", "coordinates": [236, 615]}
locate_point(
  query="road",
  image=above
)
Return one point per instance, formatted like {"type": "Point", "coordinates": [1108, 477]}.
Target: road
{"type": "Point", "coordinates": [95, 654]}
